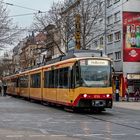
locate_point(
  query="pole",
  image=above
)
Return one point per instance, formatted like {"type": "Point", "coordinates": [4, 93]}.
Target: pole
{"type": "Point", "coordinates": [105, 33]}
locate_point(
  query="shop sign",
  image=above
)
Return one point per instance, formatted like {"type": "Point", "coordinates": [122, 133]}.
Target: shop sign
{"type": "Point", "coordinates": [133, 76]}
{"type": "Point", "coordinates": [131, 36]}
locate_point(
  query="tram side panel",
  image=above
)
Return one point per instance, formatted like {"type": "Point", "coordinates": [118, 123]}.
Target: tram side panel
{"type": "Point", "coordinates": [36, 85]}
{"type": "Point", "coordinates": [23, 85]}
{"type": "Point", "coordinates": [12, 86]}
{"type": "Point", "coordinates": [57, 85]}
{"type": "Point", "coordinates": [49, 92]}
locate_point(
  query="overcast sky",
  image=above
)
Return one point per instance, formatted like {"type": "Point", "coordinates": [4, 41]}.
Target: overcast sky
{"type": "Point", "coordinates": [24, 21]}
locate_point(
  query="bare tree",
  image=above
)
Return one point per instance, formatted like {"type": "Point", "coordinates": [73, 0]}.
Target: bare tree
{"type": "Point", "coordinates": [8, 31]}
{"type": "Point", "coordinates": [65, 20]}
{"type": "Point", "coordinates": [87, 13]}
{"type": "Point", "coordinates": [52, 17]}
{"type": "Point", "coordinates": [90, 11]}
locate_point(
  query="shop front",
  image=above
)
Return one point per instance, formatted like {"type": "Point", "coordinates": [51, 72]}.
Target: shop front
{"type": "Point", "coordinates": [133, 83]}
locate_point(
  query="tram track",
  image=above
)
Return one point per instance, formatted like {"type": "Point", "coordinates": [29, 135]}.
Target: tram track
{"type": "Point", "coordinates": [117, 123]}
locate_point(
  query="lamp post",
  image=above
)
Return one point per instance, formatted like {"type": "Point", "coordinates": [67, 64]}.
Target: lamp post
{"type": "Point", "coordinates": [105, 33]}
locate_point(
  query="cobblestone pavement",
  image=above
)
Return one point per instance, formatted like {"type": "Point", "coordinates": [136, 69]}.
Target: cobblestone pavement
{"type": "Point", "coordinates": [127, 105]}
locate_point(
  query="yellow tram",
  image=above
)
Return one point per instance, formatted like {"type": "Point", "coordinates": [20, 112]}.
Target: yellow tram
{"type": "Point", "coordinates": [82, 81]}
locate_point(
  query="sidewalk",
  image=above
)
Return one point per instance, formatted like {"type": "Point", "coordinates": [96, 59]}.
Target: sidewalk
{"type": "Point", "coordinates": [127, 105]}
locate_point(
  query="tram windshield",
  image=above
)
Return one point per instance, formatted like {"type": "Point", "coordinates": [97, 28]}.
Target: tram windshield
{"type": "Point", "coordinates": [95, 73]}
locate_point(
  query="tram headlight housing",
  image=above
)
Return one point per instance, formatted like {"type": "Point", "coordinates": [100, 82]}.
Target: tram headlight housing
{"type": "Point", "coordinates": [84, 95]}
{"type": "Point", "coordinates": [108, 95]}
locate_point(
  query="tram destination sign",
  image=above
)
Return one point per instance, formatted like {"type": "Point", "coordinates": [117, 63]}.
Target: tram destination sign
{"type": "Point", "coordinates": [94, 62]}
{"type": "Point", "coordinates": [98, 62]}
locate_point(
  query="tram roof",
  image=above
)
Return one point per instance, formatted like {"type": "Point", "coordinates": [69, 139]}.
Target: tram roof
{"type": "Point", "coordinates": [71, 56]}
{"type": "Point", "coordinates": [76, 54]}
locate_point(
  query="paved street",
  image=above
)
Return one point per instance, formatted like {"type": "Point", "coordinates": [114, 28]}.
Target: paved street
{"type": "Point", "coordinates": [24, 120]}
{"type": "Point", "coordinates": [128, 105]}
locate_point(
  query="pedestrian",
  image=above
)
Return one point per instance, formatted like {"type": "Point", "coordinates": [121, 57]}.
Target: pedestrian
{"type": "Point", "coordinates": [4, 88]}
{"type": "Point", "coordinates": [0, 86]}
{"type": "Point", "coordinates": [127, 95]}
{"type": "Point", "coordinates": [137, 94]}
{"type": "Point", "coordinates": [117, 94]}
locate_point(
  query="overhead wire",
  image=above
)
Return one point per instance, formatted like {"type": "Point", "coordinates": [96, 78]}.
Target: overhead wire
{"type": "Point", "coordinates": [28, 8]}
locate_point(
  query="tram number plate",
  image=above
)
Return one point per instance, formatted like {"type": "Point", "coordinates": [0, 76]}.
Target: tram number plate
{"type": "Point", "coordinates": [97, 96]}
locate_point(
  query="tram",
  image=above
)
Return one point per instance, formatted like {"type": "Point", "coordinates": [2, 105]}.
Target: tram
{"type": "Point", "coordinates": [76, 81]}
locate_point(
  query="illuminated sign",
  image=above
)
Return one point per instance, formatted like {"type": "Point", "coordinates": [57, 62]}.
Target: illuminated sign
{"type": "Point", "coordinates": [98, 62]}
{"type": "Point", "coordinates": [133, 76]}
{"type": "Point", "coordinates": [131, 36]}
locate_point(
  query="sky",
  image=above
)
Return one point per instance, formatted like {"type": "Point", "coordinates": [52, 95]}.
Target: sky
{"type": "Point", "coordinates": [26, 21]}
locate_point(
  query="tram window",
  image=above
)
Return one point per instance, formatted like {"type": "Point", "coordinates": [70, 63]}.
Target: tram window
{"type": "Point", "coordinates": [36, 80]}
{"type": "Point", "coordinates": [23, 80]}
{"type": "Point", "coordinates": [46, 79]}
{"type": "Point", "coordinates": [63, 77]}
{"type": "Point", "coordinates": [72, 78]}
{"type": "Point", "coordinates": [56, 78]}
{"type": "Point", "coordinates": [17, 82]}
{"type": "Point", "coordinates": [66, 77]}
{"type": "Point", "coordinates": [51, 79]}
{"type": "Point", "coordinates": [77, 75]}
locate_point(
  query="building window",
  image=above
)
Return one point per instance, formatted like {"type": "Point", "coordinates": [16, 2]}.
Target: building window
{"type": "Point", "coordinates": [117, 17]}
{"type": "Point", "coordinates": [101, 41]}
{"type": "Point", "coordinates": [118, 55]}
{"type": "Point", "coordinates": [110, 38]}
{"type": "Point", "coordinates": [110, 55]}
{"type": "Point", "coordinates": [109, 3]}
{"type": "Point", "coordinates": [109, 20]}
{"type": "Point", "coordinates": [95, 43]}
{"type": "Point", "coordinates": [117, 36]}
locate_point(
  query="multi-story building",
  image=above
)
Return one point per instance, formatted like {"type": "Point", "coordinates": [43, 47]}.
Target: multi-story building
{"type": "Point", "coordinates": [116, 32]}
{"type": "Point", "coordinates": [122, 42]}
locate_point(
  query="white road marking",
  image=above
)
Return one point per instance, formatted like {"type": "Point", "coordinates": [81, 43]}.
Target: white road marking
{"type": "Point", "coordinates": [76, 135]}
{"type": "Point", "coordinates": [14, 136]}
{"type": "Point", "coordinates": [87, 135]}
{"type": "Point", "coordinates": [44, 131]}
{"type": "Point", "coordinates": [137, 134]}
{"type": "Point", "coordinates": [69, 122]}
{"type": "Point", "coordinates": [58, 135]}
{"type": "Point", "coordinates": [118, 134]}
{"type": "Point", "coordinates": [53, 122]}
{"type": "Point", "coordinates": [8, 120]}
{"type": "Point", "coordinates": [90, 135]}
{"type": "Point", "coordinates": [37, 135]}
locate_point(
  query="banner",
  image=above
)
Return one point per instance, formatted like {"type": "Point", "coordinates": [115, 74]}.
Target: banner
{"type": "Point", "coordinates": [131, 36]}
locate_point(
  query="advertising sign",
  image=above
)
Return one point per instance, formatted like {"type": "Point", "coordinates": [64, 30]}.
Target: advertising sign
{"type": "Point", "coordinates": [131, 36]}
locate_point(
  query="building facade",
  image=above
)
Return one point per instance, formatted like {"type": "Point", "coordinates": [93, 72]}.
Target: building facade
{"type": "Point", "coordinates": [121, 42]}
{"type": "Point", "coordinates": [117, 34]}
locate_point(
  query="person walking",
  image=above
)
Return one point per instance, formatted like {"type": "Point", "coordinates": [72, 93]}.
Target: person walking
{"type": "Point", "coordinates": [127, 94]}
{"type": "Point", "coordinates": [137, 94]}
{"type": "Point", "coordinates": [0, 86]}
{"type": "Point", "coordinates": [4, 88]}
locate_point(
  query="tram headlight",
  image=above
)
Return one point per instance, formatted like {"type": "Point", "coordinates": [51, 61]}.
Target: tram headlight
{"type": "Point", "coordinates": [108, 95]}
{"type": "Point", "coordinates": [84, 95]}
